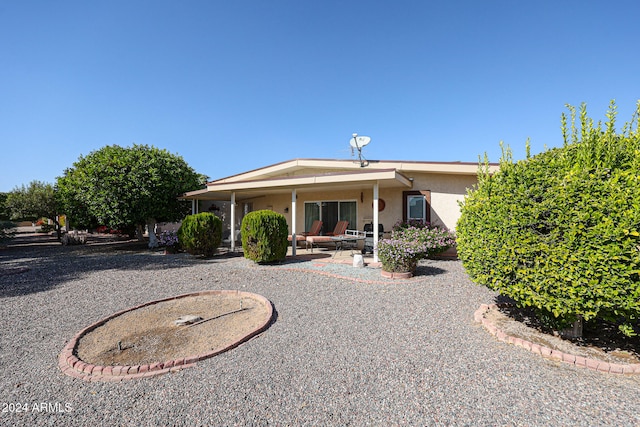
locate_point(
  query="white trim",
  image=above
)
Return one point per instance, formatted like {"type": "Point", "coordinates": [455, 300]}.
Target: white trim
{"type": "Point", "coordinates": [233, 222]}
{"type": "Point", "coordinates": [294, 242]}
{"type": "Point", "coordinates": [375, 222]}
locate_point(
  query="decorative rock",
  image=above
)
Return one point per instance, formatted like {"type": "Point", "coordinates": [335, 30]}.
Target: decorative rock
{"type": "Point", "coordinates": [187, 320]}
{"type": "Point", "coordinates": [358, 261]}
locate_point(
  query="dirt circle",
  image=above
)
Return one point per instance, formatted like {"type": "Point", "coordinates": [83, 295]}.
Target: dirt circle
{"type": "Point", "coordinates": [149, 338]}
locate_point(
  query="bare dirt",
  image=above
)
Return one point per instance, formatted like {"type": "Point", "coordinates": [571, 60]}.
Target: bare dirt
{"type": "Point", "coordinates": [601, 341]}
{"type": "Point", "coordinates": [149, 334]}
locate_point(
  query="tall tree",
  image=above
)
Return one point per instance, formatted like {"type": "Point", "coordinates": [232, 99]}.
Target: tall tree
{"type": "Point", "coordinates": [126, 188]}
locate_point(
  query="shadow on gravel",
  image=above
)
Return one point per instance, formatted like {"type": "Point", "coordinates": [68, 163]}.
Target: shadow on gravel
{"type": "Point", "coordinates": [302, 258]}
{"type": "Point", "coordinates": [428, 270]}
{"type": "Point", "coordinates": [38, 263]}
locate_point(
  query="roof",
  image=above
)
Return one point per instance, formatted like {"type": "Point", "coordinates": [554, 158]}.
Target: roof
{"type": "Point", "coordinates": [295, 165]}
{"type": "Point", "coordinates": [317, 174]}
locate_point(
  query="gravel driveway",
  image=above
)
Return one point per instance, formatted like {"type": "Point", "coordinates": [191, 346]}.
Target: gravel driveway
{"type": "Point", "coordinates": [342, 351]}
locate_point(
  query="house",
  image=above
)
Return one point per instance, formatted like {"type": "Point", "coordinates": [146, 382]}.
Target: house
{"type": "Point", "coordinates": [371, 192]}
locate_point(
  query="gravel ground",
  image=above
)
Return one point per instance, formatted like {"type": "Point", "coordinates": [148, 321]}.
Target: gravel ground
{"type": "Point", "coordinates": [342, 351]}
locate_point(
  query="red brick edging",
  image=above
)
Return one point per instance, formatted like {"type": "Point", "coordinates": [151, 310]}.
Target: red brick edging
{"type": "Point", "coordinates": [582, 362]}
{"type": "Point", "coordinates": [70, 365]}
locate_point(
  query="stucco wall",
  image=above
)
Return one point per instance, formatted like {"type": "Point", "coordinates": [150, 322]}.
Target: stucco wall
{"type": "Point", "coordinates": [446, 190]}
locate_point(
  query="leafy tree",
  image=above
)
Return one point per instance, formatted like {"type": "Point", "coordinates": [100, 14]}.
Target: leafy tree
{"type": "Point", "coordinates": [37, 200]}
{"type": "Point", "coordinates": [560, 231]}
{"type": "Point", "coordinates": [127, 187]}
{"type": "Point", "coordinates": [6, 226]}
{"type": "Point", "coordinates": [5, 214]}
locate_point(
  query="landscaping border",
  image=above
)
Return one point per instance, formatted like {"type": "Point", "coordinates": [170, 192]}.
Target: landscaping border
{"type": "Point", "coordinates": [71, 365]}
{"type": "Point", "coordinates": [549, 353]}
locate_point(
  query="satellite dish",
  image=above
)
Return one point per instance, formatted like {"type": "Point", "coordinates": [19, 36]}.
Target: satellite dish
{"type": "Point", "coordinates": [359, 141]}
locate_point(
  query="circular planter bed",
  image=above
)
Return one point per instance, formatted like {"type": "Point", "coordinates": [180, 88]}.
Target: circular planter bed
{"type": "Point", "coordinates": [165, 335]}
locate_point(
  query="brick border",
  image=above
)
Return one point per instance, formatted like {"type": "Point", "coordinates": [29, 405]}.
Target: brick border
{"type": "Point", "coordinates": [549, 353]}
{"type": "Point", "coordinates": [72, 366]}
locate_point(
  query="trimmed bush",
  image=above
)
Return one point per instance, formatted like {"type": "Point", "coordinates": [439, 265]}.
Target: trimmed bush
{"type": "Point", "coordinates": [200, 234]}
{"type": "Point", "coordinates": [560, 231]}
{"type": "Point", "coordinates": [264, 236]}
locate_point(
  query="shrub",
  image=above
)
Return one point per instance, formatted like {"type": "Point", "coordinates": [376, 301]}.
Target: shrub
{"type": "Point", "coordinates": [200, 234]}
{"type": "Point", "coordinates": [399, 255]}
{"type": "Point", "coordinates": [7, 230]}
{"type": "Point", "coordinates": [264, 236]}
{"type": "Point", "coordinates": [433, 240]}
{"type": "Point", "coordinates": [559, 231]}
{"type": "Point", "coordinates": [410, 242]}
{"type": "Point", "coordinates": [168, 238]}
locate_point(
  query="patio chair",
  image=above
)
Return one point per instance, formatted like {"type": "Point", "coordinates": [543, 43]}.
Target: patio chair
{"type": "Point", "coordinates": [338, 230]}
{"type": "Point", "coordinates": [314, 230]}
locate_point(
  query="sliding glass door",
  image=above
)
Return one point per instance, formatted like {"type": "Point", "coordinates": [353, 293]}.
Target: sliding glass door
{"type": "Point", "coordinates": [330, 212]}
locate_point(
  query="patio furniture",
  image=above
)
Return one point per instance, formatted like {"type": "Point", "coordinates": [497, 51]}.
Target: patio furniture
{"type": "Point", "coordinates": [314, 230]}
{"type": "Point", "coordinates": [338, 230]}
{"type": "Point", "coordinates": [348, 240]}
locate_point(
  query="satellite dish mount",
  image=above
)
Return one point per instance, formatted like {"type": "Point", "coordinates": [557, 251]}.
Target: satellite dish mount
{"type": "Point", "coordinates": [358, 142]}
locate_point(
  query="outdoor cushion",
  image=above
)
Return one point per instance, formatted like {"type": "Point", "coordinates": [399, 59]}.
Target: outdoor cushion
{"type": "Point", "coordinates": [316, 226]}
{"type": "Point", "coordinates": [339, 229]}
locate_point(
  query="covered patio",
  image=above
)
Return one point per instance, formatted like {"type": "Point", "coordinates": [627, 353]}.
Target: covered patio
{"type": "Point", "coordinates": [269, 190]}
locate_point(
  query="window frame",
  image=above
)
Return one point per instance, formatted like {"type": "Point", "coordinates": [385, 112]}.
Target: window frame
{"type": "Point", "coordinates": [427, 202]}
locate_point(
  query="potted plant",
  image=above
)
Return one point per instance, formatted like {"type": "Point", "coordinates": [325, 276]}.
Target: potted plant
{"type": "Point", "coordinates": [399, 257]}
{"type": "Point", "coordinates": [409, 243]}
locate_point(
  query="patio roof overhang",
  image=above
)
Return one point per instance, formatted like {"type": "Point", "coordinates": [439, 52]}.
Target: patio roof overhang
{"type": "Point", "coordinates": [355, 180]}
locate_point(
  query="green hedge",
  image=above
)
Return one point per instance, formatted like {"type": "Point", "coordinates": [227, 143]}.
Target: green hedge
{"type": "Point", "coordinates": [200, 234]}
{"type": "Point", "coordinates": [560, 231]}
{"type": "Point", "coordinates": [264, 236]}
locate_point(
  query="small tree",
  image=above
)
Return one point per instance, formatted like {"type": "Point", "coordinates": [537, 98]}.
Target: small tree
{"type": "Point", "coordinates": [264, 236]}
{"type": "Point", "coordinates": [127, 188]}
{"type": "Point", "coordinates": [5, 214]}
{"type": "Point", "coordinates": [37, 200]}
{"type": "Point", "coordinates": [560, 231]}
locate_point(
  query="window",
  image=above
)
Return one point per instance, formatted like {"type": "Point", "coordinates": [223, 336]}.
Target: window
{"type": "Point", "coordinates": [417, 205]}
{"type": "Point", "coordinates": [330, 212]}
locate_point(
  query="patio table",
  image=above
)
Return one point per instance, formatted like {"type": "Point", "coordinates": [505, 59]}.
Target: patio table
{"type": "Point", "coordinates": [349, 240]}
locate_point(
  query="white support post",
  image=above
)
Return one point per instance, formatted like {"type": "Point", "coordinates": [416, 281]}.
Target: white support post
{"type": "Point", "coordinates": [294, 242]}
{"type": "Point", "coordinates": [375, 222]}
{"type": "Point", "coordinates": [233, 222]}
{"type": "Point", "coordinates": [193, 206]}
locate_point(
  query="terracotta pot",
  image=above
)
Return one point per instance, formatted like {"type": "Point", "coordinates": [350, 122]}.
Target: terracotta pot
{"type": "Point", "coordinates": [397, 275]}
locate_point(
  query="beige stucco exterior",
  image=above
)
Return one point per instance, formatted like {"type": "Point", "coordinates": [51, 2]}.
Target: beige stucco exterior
{"type": "Point", "coordinates": [273, 187]}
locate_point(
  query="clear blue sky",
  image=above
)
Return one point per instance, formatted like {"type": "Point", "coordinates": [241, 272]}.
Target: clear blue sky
{"type": "Point", "coordinates": [236, 85]}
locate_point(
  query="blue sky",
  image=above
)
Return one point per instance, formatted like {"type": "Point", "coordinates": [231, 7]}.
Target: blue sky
{"type": "Point", "coordinates": [236, 85]}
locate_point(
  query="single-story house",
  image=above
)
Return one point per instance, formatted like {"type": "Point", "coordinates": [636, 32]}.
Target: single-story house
{"type": "Point", "coordinates": [372, 192]}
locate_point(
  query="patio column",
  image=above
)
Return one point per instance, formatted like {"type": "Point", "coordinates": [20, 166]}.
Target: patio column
{"type": "Point", "coordinates": [294, 243]}
{"type": "Point", "coordinates": [193, 207]}
{"type": "Point", "coordinates": [233, 222]}
{"type": "Point", "coordinates": [375, 222]}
